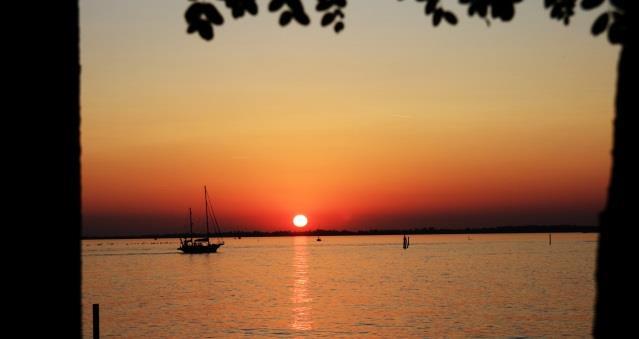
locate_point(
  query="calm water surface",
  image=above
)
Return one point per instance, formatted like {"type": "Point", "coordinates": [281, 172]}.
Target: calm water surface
{"type": "Point", "coordinates": [506, 285]}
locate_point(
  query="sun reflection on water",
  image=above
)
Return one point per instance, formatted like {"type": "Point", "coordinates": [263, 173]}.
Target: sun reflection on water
{"type": "Point", "coordinates": [301, 300]}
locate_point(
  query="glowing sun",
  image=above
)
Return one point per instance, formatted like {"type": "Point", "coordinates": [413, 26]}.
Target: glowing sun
{"type": "Point", "coordinates": [300, 220]}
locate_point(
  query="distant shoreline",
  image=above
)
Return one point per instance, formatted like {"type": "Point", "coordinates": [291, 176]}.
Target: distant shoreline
{"type": "Point", "coordinates": [425, 230]}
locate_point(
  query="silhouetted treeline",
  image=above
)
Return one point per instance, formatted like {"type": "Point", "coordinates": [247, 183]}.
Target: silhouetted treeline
{"type": "Point", "coordinates": [423, 230]}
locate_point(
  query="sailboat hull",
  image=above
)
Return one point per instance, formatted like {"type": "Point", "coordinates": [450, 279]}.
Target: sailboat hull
{"type": "Point", "coordinates": [211, 248]}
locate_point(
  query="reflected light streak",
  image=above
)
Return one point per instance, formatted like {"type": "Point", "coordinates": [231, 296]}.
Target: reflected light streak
{"type": "Point", "coordinates": [301, 300]}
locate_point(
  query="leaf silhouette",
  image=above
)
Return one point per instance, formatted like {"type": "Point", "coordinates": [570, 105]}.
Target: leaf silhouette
{"type": "Point", "coordinates": [600, 24]}
{"type": "Point", "coordinates": [478, 7]}
{"type": "Point", "coordinates": [275, 5]}
{"type": "Point", "coordinates": [430, 6]}
{"type": "Point", "coordinates": [206, 32]}
{"type": "Point", "coordinates": [327, 19]}
{"type": "Point", "coordinates": [237, 12]}
{"type": "Point", "coordinates": [212, 14]}
{"type": "Point", "coordinates": [450, 17]}
{"type": "Point", "coordinates": [437, 17]}
{"type": "Point", "coordinates": [323, 5]}
{"type": "Point", "coordinates": [251, 7]}
{"type": "Point", "coordinates": [338, 27]}
{"type": "Point", "coordinates": [295, 5]}
{"type": "Point", "coordinates": [238, 7]}
{"type": "Point", "coordinates": [286, 17]}
{"type": "Point", "coordinates": [340, 3]}
{"type": "Point", "coordinates": [590, 4]}
{"type": "Point", "coordinates": [503, 10]}
{"type": "Point", "coordinates": [302, 18]}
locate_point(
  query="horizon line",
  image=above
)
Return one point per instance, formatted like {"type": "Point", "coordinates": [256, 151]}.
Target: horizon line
{"type": "Point", "coordinates": [563, 228]}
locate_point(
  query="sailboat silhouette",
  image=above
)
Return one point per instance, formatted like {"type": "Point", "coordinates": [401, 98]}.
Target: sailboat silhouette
{"type": "Point", "coordinates": [202, 245]}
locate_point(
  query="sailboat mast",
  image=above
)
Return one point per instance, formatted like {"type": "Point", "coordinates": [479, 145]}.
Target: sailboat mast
{"type": "Point", "coordinates": [190, 223]}
{"type": "Point", "coordinates": [206, 212]}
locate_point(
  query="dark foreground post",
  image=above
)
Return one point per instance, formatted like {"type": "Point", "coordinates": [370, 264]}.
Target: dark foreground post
{"type": "Point", "coordinates": [96, 321]}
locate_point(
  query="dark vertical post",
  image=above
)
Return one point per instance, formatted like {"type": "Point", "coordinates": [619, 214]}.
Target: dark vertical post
{"type": "Point", "coordinates": [206, 213]}
{"type": "Point", "coordinates": [96, 321]}
{"type": "Point", "coordinates": [549, 238]}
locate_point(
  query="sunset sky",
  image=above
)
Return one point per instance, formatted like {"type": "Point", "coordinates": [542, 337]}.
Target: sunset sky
{"type": "Point", "coordinates": [390, 124]}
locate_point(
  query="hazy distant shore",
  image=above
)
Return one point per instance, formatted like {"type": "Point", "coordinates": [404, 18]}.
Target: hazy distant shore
{"type": "Point", "coordinates": [425, 230]}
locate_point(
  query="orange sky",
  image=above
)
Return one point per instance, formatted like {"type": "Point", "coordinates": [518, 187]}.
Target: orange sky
{"type": "Point", "coordinates": [392, 123]}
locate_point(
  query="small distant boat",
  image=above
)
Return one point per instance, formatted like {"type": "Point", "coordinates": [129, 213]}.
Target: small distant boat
{"type": "Point", "coordinates": [202, 245]}
{"type": "Point", "coordinates": [318, 238]}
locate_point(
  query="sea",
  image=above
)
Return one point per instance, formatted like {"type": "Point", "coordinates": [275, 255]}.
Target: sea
{"type": "Point", "coordinates": [460, 285]}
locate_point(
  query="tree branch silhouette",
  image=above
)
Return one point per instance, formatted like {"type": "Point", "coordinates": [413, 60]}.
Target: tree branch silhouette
{"type": "Point", "coordinates": [202, 16]}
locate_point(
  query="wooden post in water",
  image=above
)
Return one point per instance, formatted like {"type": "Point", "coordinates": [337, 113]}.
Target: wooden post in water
{"type": "Point", "coordinates": [549, 239]}
{"type": "Point", "coordinates": [96, 321]}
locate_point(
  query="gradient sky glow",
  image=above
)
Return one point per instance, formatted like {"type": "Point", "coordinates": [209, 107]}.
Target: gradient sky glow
{"type": "Point", "coordinates": [391, 123]}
